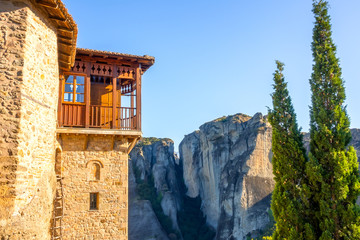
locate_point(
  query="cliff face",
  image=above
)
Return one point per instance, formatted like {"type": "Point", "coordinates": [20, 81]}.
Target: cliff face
{"type": "Point", "coordinates": [153, 160]}
{"type": "Point", "coordinates": [228, 163]}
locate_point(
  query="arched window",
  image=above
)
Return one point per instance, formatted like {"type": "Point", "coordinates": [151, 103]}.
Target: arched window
{"type": "Point", "coordinates": [95, 171]}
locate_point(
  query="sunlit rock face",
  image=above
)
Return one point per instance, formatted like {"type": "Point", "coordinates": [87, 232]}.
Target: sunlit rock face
{"type": "Point", "coordinates": [228, 163]}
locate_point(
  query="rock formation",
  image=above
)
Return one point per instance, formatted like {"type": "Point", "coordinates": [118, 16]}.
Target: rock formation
{"type": "Point", "coordinates": [154, 159]}
{"type": "Point", "coordinates": [227, 163]}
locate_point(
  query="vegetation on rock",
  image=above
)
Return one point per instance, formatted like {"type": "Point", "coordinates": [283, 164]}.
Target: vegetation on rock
{"type": "Point", "coordinates": [150, 140]}
{"type": "Point", "coordinates": [289, 157]}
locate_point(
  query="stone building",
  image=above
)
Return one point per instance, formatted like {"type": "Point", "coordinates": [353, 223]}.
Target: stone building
{"type": "Point", "coordinates": [68, 119]}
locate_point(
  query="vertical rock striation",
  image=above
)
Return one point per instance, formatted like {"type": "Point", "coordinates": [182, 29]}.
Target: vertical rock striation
{"type": "Point", "coordinates": [228, 163]}
{"type": "Point", "coordinates": [155, 159]}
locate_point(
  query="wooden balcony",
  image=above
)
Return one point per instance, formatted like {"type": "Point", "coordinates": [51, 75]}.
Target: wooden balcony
{"type": "Point", "coordinates": [75, 115]}
{"type": "Point", "coordinates": [102, 92]}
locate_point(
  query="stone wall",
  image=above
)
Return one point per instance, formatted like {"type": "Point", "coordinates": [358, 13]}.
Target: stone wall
{"type": "Point", "coordinates": [29, 89]}
{"type": "Point", "coordinates": [78, 156]}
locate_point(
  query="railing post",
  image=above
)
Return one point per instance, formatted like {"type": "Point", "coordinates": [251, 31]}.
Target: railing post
{"type": "Point", "coordinates": [138, 98]}
{"type": "Point", "coordinates": [114, 103]}
{"type": "Point", "coordinates": [87, 96]}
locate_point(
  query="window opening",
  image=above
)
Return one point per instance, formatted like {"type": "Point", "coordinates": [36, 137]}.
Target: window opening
{"type": "Point", "coordinates": [94, 201]}
{"type": "Point", "coordinates": [74, 89]}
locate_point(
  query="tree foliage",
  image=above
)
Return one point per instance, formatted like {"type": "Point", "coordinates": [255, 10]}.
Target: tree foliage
{"type": "Point", "coordinates": [321, 189]}
{"type": "Point", "coordinates": [289, 157]}
{"type": "Point", "coordinates": [332, 168]}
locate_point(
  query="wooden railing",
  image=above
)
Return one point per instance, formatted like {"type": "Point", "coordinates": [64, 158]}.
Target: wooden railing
{"type": "Point", "coordinates": [73, 115]}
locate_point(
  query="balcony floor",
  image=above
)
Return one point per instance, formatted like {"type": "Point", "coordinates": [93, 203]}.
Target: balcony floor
{"type": "Point", "coordinates": [97, 131]}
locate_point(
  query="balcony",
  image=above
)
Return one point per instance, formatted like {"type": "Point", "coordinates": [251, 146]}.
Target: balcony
{"type": "Point", "coordinates": [102, 93]}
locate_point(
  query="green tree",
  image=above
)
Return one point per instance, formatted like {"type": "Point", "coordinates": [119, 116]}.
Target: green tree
{"type": "Point", "coordinates": [289, 158]}
{"type": "Point", "coordinates": [332, 169]}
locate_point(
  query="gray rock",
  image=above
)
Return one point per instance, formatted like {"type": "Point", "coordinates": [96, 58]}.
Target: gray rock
{"type": "Point", "coordinates": [157, 160]}
{"type": "Point", "coordinates": [228, 163]}
{"type": "Point", "coordinates": [143, 223]}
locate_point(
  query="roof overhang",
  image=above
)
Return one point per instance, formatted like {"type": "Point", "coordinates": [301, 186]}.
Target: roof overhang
{"type": "Point", "coordinates": [145, 60]}
{"type": "Point", "coordinates": [66, 30]}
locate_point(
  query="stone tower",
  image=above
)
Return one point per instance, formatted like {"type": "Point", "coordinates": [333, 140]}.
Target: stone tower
{"type": "Point", "coordinates": [65, 130]}
{"type": "Point", "coordinates": [99, 122]}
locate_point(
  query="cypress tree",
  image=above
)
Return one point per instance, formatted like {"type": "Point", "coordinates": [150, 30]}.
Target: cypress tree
{"type": "Point", "coordinates": [332, 169]}
{"type": "Point", "coordinates": [289, 157]}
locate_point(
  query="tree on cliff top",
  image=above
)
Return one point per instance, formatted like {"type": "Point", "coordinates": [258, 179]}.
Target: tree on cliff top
{"type": "Point", "coordinates": [289, 157]}
{"type": "Point", "coordinates": [332, 168]}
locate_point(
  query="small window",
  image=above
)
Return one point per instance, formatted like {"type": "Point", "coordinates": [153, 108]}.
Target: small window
{"type": "Point", "coordinates": [74, 89]}
{"type": "Point", "coordinates": [94, 201]}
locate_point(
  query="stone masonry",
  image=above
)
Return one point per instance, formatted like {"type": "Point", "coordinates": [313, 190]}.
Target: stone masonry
{"type": "Point", "coordinates": [36, 157]}
{"type": "Point", "coordinates": [28, 89]}
{"type": "Point", "coordinates": [79, 153]}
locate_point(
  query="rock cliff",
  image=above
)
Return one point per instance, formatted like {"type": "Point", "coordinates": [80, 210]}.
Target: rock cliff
{"type": "Point", "coordinates": [228, 164]}
{"type": "Point", "coordinates": [153, 159]}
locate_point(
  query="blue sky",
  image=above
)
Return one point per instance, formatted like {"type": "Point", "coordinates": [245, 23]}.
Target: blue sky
{"type": "Point", "coordinates": [216, 58]}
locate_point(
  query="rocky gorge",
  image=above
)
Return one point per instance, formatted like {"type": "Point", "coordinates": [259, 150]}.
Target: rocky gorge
{"type": "Point", "coordinates": [219, 187]}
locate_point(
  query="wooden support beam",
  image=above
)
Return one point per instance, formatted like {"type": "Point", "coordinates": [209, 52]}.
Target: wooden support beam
{"type": "Point", "coordinates": [132, 144]}
{"type": "Point", "coordinates": [65, 62]}
{"type": "Point", "coordinates": [58, 18]}
{"type": "Point", "coordinates": [65, 54]}
{"type": "Point", "coordinates": [47, 4]}
{"type": "Point", "coordinates": [112, 142]}
{"type": "Point", "coordinates": [65, 30]}
{"type": "Point", "coordinates": [86, 141]}
{"type": "Point", "coordinates": [65, 43]}
{"type": "Point", "coordinates": [65, 37]}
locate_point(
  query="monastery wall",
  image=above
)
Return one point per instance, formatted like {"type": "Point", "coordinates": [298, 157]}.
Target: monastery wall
{"type": "Point", "coordinates": [29, 80]}
{"type": "Point", "coordinates": [94, 164]}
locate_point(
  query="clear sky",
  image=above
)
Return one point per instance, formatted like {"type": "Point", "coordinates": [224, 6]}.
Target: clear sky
{"type": "Point", "coordinates": [216, 58]}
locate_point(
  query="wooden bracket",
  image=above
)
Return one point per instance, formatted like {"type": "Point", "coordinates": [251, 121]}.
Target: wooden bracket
{"type": "Point", "coordinates": [113, 142]}
{"type": "Point", "coordinates": [86, 141]}
{"type": "Point", "coordinates": [132, 144]}
{"type": "Point", "coordinates": [47, 4]}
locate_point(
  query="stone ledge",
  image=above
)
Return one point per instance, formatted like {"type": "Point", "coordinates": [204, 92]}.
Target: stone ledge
{"type": "Point", "coordinates": [92, 131]}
